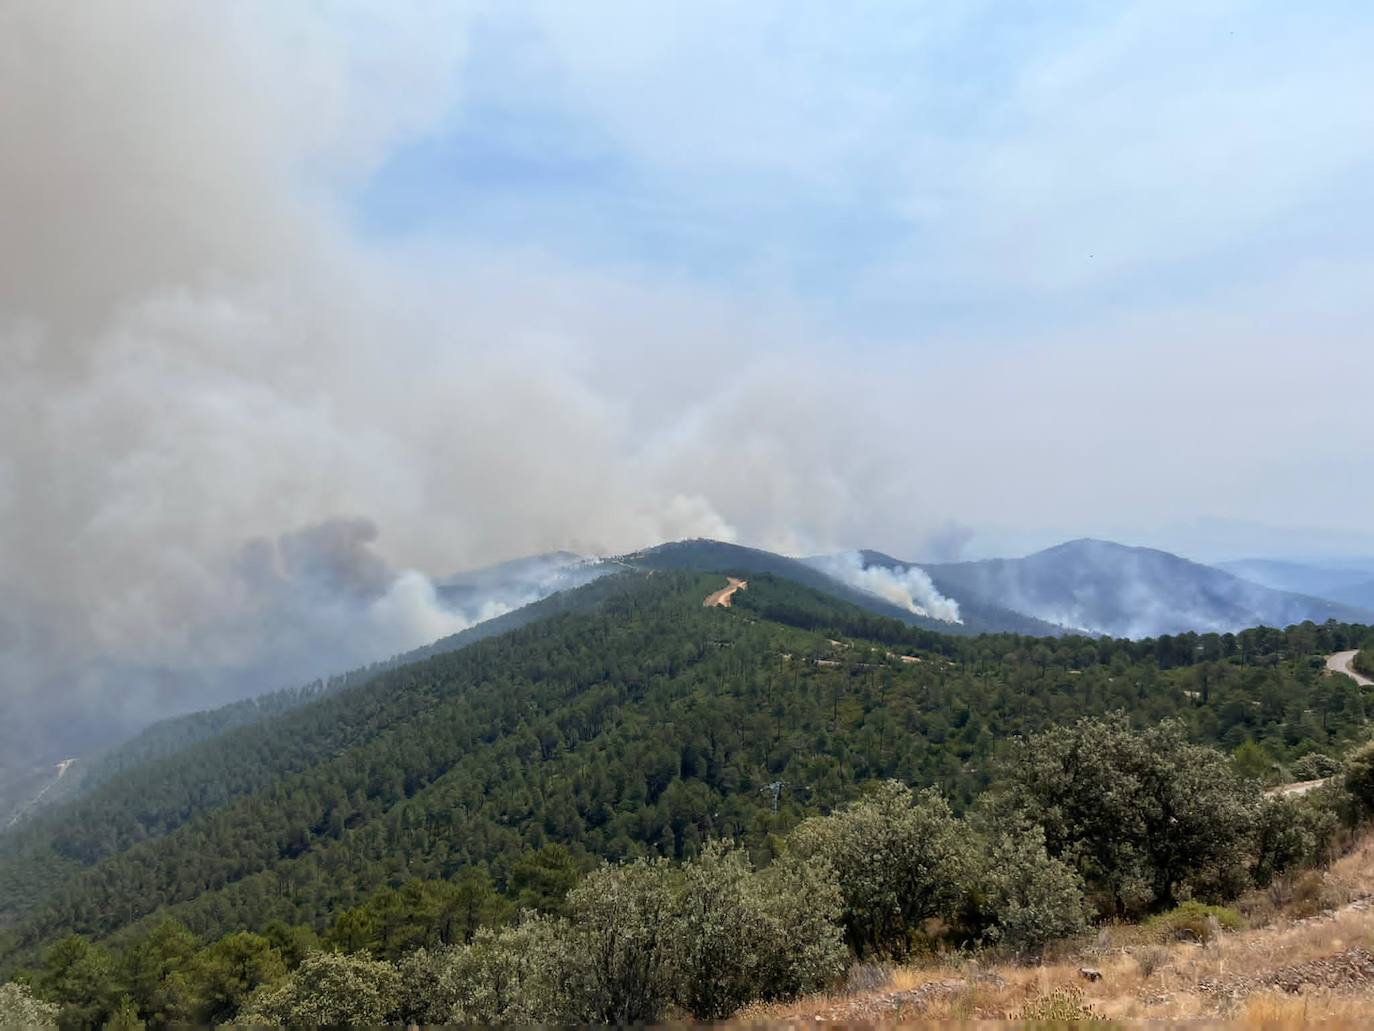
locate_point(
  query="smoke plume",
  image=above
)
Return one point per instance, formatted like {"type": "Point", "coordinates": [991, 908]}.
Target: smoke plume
{"type": "Point", "coordinates": [238, 441]}
{"type": "Point", "coordinates": [907, 586]}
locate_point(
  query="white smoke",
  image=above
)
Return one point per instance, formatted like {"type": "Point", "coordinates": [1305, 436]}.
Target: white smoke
{"type": "Point", "coordinates": [907, 586]}
{"type": "Point", "coordinates": [197, 351]}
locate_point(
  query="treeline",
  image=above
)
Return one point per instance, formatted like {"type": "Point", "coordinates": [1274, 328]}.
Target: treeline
{"type": "Point", "coordinates": [1086, 822]}
{"type": "Point", "coordinates": [643, 727]}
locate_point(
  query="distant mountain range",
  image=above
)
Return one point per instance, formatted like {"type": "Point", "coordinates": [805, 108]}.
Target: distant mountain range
{"type": "Point", "coordinates": [1350, 582]}
{"type": "Point", "coordinates": [1082, 586]}
{"type": "Point", "coordinates": [1101, 587]}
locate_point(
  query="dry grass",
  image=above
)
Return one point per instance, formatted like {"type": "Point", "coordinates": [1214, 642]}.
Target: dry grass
{"type": "Point", "coordinates": [1219, 984]}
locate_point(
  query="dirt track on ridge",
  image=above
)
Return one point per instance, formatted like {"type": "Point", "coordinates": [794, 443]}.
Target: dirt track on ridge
{"type": "Point", "coordinates": [722, 596]}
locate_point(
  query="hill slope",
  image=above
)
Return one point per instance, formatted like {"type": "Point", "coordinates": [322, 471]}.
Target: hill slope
{"type": "Point", "coordinates": [1106, 588]}
{"type": "Point", "coordinates": [1350, 582]}
{"type": "Point", "coordinates": [634, 721]}
{"type": "Point", "coordinates": [716, 556]}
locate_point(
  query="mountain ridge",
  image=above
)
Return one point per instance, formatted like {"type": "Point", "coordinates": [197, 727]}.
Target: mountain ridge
{"type": "Point", "coordinates": [1100, 586]}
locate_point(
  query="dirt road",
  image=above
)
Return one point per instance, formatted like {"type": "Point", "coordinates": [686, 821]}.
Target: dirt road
{"type": "Point", "coordinates": [722, 596]}
{"type": "Point", "coordinates": [1340, 663]}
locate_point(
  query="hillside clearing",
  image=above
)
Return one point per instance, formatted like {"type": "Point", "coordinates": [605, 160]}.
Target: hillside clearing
{"type": "Point", "coordinates": [722, 597]}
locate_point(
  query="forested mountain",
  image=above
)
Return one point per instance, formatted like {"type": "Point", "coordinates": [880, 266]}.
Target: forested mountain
{"type": "Point", "coordinates": [628, 721]}
{"type": "Point", "coordinates": [1100, 587]}
{"type": "Point", "coordinates": [173, 735]}
{"type": "Point", "coordinates": [978, 616]}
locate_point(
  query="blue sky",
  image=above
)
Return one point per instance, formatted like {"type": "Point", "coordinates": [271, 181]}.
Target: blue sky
{"type": "Point", "coordinates": [908, 170]}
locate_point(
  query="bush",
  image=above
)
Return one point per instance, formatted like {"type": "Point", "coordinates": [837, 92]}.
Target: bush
{"type": "Point", "coordinates": [1143, 817]}
{"type": "Point", "coordinates": [1359, 780]}
{"type": "Point", "coordinates": [1292, 832]}
{"type": "Point", "coordinates": [868, 976]}
{"type": "Point", "coordinates": [1315, 766]}
{"type": "Point", "coordinates": [514, 975]}
{"type": "Point", "coordinates": [799, 906]}
{"type": "Point", "coordinates": [1193, 921]}
{"type": "Point", "coordinates": [621, 940]}
{"type": "Point", "coordinates": [329, 989]}
{"type": "Point", "coordinates": [899, 859]}
{"type": "Point", "coordinates": [717, 934]}
{"type": "Point", "coordinates": [1059, 1008]}
{"type": "Point", "coordinates": [1151, 959]}
{"type": "Point", "coordinates": [19, 1008]}
{"type": "Point", "coordinates": [1364, 660]}
{"type": "Point", "coordinates": [1026, 899]}
{"type": "Point", "coordinates": [709, 936]}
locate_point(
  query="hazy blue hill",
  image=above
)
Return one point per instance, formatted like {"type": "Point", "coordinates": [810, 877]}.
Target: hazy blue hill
{"type": "Point", "coordinates": [1103, 587]}
{"type": "Point", "coordinates": [1350, 582]}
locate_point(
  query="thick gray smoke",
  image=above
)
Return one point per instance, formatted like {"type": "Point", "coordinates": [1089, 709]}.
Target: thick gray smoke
{"type": "Point", "coordinates": [233, 436]}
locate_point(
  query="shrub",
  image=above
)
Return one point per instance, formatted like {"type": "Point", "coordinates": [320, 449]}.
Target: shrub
{"type": "Point", "coordinates": [621, 941]}
{"type": "Point", "coordinates": [1151, 959]}
{"type": "Point", "coordinates": [514, 975]}
{"type": "Point", "coordinates": [898, 858]}
{"type": "Point", "coordinates": [1056, 1009]}
{"type": "Point", "coordinates": [124, 1017]}
{"type": "Point", "coordinates": [1193, 921]}
{"type": "Point", "coordinates": [1026, 899]}
{"type": "Point", "coordinates": [1314, 766]}
{"type": "Point", "coordinates": [1292, 832]}
{"type": "Point", "coordinates": [329, 989]}
{"type": "Point", "coordinates": [710, 936]}
{"type": "Point", "coordinates": [1364, 660]}
{"type": "Point", "coordinates": [798, 906]}
{"type": "Point", "coordinates": [1143, 817]}
{"type": "Point", "coordinates": [717, 934]}
{"type": "Point", "coordinates": [867, 976]}
{"type": "Point", "coordinates": [19, 1008]}
{"type": "Point", "coordinates": [1359, 780]}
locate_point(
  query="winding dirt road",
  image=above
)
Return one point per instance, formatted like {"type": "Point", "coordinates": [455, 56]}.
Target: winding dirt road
{"type": "Point", "coordinates": [1340, 663]}
{"type": "Point", "coordinates": [722, 596]}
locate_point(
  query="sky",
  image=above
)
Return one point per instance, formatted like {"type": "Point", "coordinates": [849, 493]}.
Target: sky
{"type": "Point", "coordinates": [304, 305]}
{"type": "Point", "coordinates": [1115, 257]}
